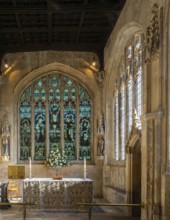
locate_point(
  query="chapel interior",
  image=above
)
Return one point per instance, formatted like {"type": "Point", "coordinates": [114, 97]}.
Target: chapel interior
{"type": "Point", "coordinates": [90, 78]}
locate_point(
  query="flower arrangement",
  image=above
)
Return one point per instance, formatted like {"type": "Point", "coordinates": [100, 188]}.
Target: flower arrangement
{"type": "Point", "coordinates": [57, 158]}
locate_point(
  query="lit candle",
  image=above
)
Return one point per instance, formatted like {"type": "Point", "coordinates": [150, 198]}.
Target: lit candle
{"type": "Point", "coordinates": [30, 167]}
{"type": "Point", "coordinates": [84, 168]}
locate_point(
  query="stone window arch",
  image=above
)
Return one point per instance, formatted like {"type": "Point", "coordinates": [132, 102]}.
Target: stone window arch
{"type": "Point", "coordinates": [130, 74]}
{"type": "Point", "coordinates": [55, 110]}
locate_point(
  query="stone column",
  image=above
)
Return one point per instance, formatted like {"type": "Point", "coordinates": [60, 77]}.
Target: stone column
{"type": "Point", "coordinates": [151, 166]}
{"type": "Point", "coordinates": [157, 169]}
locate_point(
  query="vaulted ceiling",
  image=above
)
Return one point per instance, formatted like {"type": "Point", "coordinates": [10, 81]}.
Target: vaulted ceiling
{"type": "Point", "coordinates": [64, 25]}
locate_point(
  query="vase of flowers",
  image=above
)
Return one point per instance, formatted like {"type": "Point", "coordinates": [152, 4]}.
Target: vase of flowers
{"type": "Point", "coordinates": [57, 158]}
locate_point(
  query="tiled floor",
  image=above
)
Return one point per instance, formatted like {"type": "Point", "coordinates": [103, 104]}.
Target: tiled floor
{"type": "Point", "coordinates": [15, 212]}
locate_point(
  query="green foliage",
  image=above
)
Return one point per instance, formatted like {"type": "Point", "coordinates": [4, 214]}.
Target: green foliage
{"type": "Point", "coordinates": [57, 158]}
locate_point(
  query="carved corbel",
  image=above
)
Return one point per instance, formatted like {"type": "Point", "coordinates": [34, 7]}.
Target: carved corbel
{"type": "Point", "coordinates": [153, 35]}
{"type": "Point", "coordinates": [100, 76]}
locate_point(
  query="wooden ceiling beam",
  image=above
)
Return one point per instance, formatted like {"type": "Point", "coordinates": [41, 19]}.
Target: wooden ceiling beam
{"type": "Point", "coordinates": [18, 23]}
{"type": "Point", "coordinates": [54, 29]}
{"type": "Point", "coordinates": [50, 17]}
{"type": "Point", "coordinates": [102, 8]}
{"type": "Point", "coordinates": [54, 46]}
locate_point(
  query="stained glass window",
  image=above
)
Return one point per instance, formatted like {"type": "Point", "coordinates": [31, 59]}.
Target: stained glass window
{"type": "Point", "coordinates": [55, 110]}
{"type": "Point", "coordinates": [85, 115]}
{"type": "Point", "coordinates": [70, 104]}
{"type": "Point", "coordinates": [25, 124]}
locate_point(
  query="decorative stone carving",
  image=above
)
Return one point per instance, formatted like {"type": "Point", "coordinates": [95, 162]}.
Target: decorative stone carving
{"type": "Point", "coordinates": [136, 120]}
{"type": "Point", "coordinates": [100, 147]}
{"type": "Point", "coordinates": [101, 124]}
{"type": "Point", "coordinates": [101, 141]}
{"type": "Point", "coordinates": [100, 76]}
{"type": "Point", "coordinates": [153, 35]}
{"type": "Point", "coordinates": [135, 133]}
{"type": "Point", "coordinates": [5, 152]}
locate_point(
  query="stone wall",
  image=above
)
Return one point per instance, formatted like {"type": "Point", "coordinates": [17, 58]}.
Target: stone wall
{"type": "Point", "coordinates": [135, 18]}
{"type": "Point", "coordinates": [24, 68]}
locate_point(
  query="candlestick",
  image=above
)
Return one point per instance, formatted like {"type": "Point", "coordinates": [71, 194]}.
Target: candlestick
{"type": "Point", "coordinates": [30, 167]}
{"type": "Point", "coordinates": [84, 168]}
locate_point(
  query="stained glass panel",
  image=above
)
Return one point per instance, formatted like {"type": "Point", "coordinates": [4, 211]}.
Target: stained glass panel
{"type": "Point", "coordinates": [54, 81]}
{"type": "Point", "coordinates": [53, 107]}
{"type": "Point", "coordinates": [54, 124]}
{"type": "Point", "coordinates": [83, 93]}
{"type": "Point", "coordinates": [39, 131]}
{"type": "Point", "coordinates": [51, 94]}
{"type": "Point", "coordinates": [85, 129]}
{"type": "Point", "coordinates": [70, 128]}
{"type": "Point", "coordinates": [40, 120]}
{"type": "Point", "coordinates": [25, 124]}
{"type": "Point", "coordinates": [57, 94]}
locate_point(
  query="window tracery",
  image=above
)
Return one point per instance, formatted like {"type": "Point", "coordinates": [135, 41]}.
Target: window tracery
{"type": "Point", "coordinates": [55, 110]}
{"type": "Point", "coordinates": [130, 96]}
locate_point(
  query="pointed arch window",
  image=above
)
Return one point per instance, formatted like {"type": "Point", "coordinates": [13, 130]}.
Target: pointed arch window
{"type": "Point", "coordinates": [138, 73]}
{"type": "Point", "coordinates": [55, 110]}
{"type": "Point", "coordinates": [116, 128]}
{"type": "Point", "coordinates": [129, 105]}
{"type": "Point", "coordinates": [130, 71]}
{"type": "Point", "coordinates": [122, 124]}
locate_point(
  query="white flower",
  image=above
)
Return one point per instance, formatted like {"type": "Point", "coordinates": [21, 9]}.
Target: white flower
{"type": "Point", "coordinates": [57, 157]}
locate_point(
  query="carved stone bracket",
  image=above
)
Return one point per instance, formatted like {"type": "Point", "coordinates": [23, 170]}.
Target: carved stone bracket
{"type": "Point", "coordinates": [100, 76]}
{"type": "Point", "coordinates": [100, 161]}
{"type": "Point", "coordinates": [153, 35]}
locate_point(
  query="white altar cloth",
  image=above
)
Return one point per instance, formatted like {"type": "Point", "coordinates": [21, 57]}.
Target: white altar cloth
{"type": "Point", "coordinates": [50, 194]}
{"type": "Point", "coordinates": [63, 179]}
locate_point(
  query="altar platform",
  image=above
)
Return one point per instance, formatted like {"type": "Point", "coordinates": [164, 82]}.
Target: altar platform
{"type": "Point", "coordinates": [59, 195]}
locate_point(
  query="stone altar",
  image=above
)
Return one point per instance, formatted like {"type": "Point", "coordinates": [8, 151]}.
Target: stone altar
{"type": "Point", "coordinates": [49, 194]}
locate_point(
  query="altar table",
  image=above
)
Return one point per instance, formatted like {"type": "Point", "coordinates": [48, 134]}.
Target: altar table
{"type": "Point", "coordinates": [49, 194]}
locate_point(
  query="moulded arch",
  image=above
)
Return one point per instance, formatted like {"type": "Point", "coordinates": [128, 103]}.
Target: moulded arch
{"type": "Point", "coordinates": [122, 38]}
{"type": "Point", "coordinates": [60, 68]}
{"type": "Point", "coordinates": [111, 66]}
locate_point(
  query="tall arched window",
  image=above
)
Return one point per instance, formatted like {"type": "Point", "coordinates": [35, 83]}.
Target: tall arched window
{"type": "Point", "coordinates": [116, 128]}
{"type": "Point", "coordinates": [122, 124]}
{"type": "Point", "coordinates": [129, 105]}
{"type": "Point", "coordinates": [130, 73]}
{"type": "Point", "coordinates": [55, 110]}
{"type": "Point", "coordinates": [138, 73]}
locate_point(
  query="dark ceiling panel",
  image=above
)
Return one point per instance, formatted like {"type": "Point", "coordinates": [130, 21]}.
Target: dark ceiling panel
{"type": "Point", "coordinates": [79, 25]}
